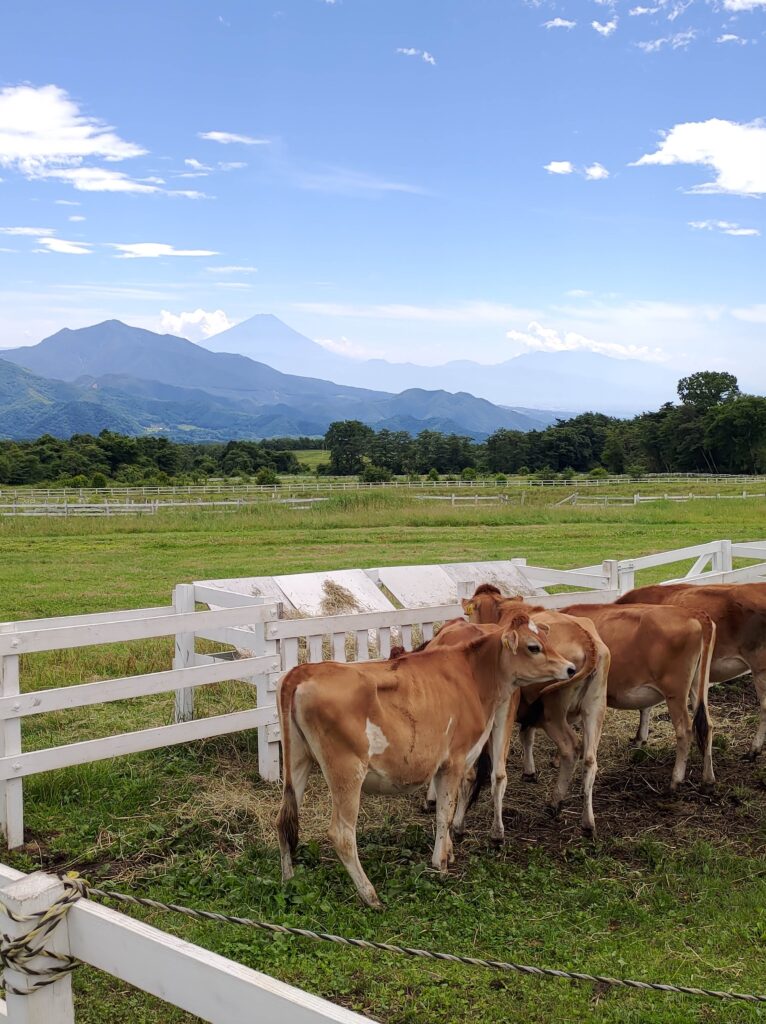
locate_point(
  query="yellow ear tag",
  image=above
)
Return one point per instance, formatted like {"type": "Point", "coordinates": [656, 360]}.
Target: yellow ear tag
{"type": "Point", "coordinates": [469, 608]}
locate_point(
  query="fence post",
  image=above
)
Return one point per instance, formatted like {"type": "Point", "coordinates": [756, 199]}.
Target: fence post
{"type": "Point", "coordinates": [626, 576]}
{"type": "Point", "coordinates": [183, 601]}
{"type": "Point", "coordinates": [52, 1004]}
{"type": "Point", "coordinates": [610, 568]}
{"type": "Point", "coordinates": [721, 560]}
{"type": "Point", "coordinates": [11, 791]}
{"type": "Point", "coordinates": [265, 686]}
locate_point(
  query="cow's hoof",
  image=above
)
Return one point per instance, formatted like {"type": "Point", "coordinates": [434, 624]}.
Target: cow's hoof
{"type": "Point", "coordinates": [707, 788]}
{"type": "Point", "coordinates": [554, 810]}
{"type": "Point", "coordinates": [589, 831]}
{"type": "Point", "coordinates": [637, 743]}
{"type": "Point", "coordinates": [529, 776]}
{"type": "Point", "coordinates": [497, 836]}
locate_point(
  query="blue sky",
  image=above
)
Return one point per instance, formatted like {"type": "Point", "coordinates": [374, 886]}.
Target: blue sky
{"type": "Point", "coordinates": [420, 179]}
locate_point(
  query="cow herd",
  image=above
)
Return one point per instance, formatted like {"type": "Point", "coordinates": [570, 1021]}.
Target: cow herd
{"type": "Point", "coordinates": [442, 717]}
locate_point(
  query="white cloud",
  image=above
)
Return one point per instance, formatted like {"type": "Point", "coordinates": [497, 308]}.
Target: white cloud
{"type": "Point", "coordinates": [638, 11]}
{"type": "Point", "coordinates": [232, 165]}
{"type": "Point", "coordinates": [743, 5]}
{"type": "Point", "coordinates": [152, 250]}
{"type": "Point", "coordinates": [728, 37]}
{"type": "Point", "coordinates": [197, 325]}
{"type": "Point", "coordinates": [76, 218]}
{"type": "Point", "coordinates": [101, 179]}
{"type": "Point", "coordinates": [410, 51]}
{"type": "Point", "coordinates": [559, 167]}
{"type": "Point", "coordinates": [43, 127]}
{"type": "Point", "coordinates": [596, 172]}
{"type": "Point", "coordinates": [343, 347]}
{"type": "Point", "coordinates": [559, 23]}
{"type": "Point", "coordinates": [605, 29]}
{"type": "Point", "coordinates": [30, 232]}
{"type": "Point", "coordinates": [66, 248]}
{"type": "Point", "coordinates": [67, 202]}
{"type": "Point", "coordinates": [344, 181]}
{"type": "Point", "coordinates": [228, 137]}
{"type": "Point", "coordinates": [724, 226]}
{"type": "Point", "coordinates": [233, 270]}
{"type": "Point", "coordinates": [196, 165]}
{"type": "Point", "coordinates": [547, 339]}
{"type": "Point", "coordinates": [678, 9]}
{"type": "Point", "coordinates": [736, 152]}
{"type": "Point", "coordinates": [751, 314]}
{"type": "Point", "coordinates": [678, 41]}
{"type": "Point", "coordinates": [578, 293]}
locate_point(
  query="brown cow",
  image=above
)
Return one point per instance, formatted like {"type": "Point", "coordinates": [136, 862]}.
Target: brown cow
{"type": "Point", "coordinates": [660, 654]}
{"type": "Point", "coordinates": [585, 698]}
{"type": "Point", "coordinates": [393, 725]}
{"type": "Point", "coordinates": [739, 613]}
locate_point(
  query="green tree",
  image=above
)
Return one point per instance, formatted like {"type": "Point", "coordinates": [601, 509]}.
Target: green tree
{"type": "Point", "coordinates": [708, 388]}
{"type": "Point", "coordinates": [349, 442]}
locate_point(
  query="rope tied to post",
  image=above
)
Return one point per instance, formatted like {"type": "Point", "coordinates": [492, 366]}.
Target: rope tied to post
{"type": "Point", "coordinates": [17, 953]}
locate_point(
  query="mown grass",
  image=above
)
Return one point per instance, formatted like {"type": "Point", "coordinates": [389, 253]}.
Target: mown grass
{"type": "Point", "coordinates": [672, 890]}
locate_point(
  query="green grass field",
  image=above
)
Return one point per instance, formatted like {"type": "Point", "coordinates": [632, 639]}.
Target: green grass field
{"type": "Point", "coordinates": [313, 457]}
{"type": "Point", "coordinates": [672, 890]}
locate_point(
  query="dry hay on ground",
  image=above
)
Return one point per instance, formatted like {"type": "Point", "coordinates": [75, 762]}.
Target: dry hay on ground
{"type": "Point", "coordinates": [631, 798]}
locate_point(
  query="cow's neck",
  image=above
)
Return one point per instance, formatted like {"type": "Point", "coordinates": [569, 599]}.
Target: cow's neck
{"type": "Point", "coordinates": [484, 659]}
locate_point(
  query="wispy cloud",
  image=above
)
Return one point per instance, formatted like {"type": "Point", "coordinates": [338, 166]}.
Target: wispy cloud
{"type": "Point", "coordinates": [677, 41]}
{"type": "Point", "coordinates": [345, 347]}
{"type": "Point", "coordinates": [152, 250]}
{"type": "Point", "coordinates": [29, 232]}
{"type": "Point", "coordinates": [724, 226]}
{"type": "Point", "coordinates": [344, 181]}
{"type": "Point", "coordinates": [548, 339]}
{"type": "Point", "coordinates": [743, 5]}
{"type": "Point", "coordinates": [226, 138]}
{"type": "Point", "coordinates": [76, 218]}
{"type": "Point", "coordinates": [736, 152]}
{"type": "Point", "coordinates": [559, 23]}
{"type": "Point", "coordinates": [596, 172]}
{"type": "Point", "coordinates": [465, 313]}
{"type": "Point", "coordinates": [605, 28]}
{"type": "Point", "coordinates": [638, 11]}
{"type": "Point", "coordinates": [410, 51]}
{"type": "Point", "coordinates": [65, 248]}
{"type": "Point", "coordinates": [728, 37]}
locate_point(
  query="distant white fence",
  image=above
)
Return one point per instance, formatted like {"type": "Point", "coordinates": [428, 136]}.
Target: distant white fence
{"type": "Point", "coordinates": [184, 975]}
{"type": "Point", "coordinates": [262, 628]}
{"type": "Point", "coordinates": [639, 499]}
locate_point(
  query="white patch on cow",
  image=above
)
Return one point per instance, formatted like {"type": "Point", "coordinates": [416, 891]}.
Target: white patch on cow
{"type": "Point", "coordinates": [375, 738]}
{"type": "Point", "coordinates": [477, 748]}
{"type": "Point", "coordinates": [533, 627]}
{"type": "Point", "coordinates": [449, 726]}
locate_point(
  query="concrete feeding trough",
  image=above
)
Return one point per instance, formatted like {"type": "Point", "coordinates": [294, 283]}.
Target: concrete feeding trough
{"type": "Point", "coordinates": [423, 586]}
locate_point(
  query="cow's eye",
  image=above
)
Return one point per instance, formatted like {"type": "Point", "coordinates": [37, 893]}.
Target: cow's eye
{"type": "Point", "coordinates": [534, 648]}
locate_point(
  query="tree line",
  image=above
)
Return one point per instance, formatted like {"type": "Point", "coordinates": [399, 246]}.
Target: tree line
{"type": "Point", "coordinates": [713, 428]}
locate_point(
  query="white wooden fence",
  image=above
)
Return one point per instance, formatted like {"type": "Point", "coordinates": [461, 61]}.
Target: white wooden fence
{"type": "Point", "coordinates": [273, 644]}
{"type": "Point", "coordinates": [178, 972]}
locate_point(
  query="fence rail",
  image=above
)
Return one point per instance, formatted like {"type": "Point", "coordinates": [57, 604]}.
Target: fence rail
{"type": "Point", "coordinates": [182, 974]}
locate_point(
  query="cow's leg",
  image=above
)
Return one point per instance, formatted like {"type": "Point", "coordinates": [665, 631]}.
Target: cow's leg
{"type": "Point", "coordinates": [682, 724]}
{"type": "Point", "coordinates": [527, 740]}
{"type": "Point", "coordinates": [429, 801]}
{"type": "Point", "coordinates": [463, 799]}
{"type": "Point", "coordinates": [448, 780]}
{"type": "Point", "coordinates": [562, 734]}
{"type": "Point", "coordinates": [499, 744]}
{"type": "Point", "coordinates": [759, 681]}
{"type": "Point", "coordinates": [592, 723]}
{"type": "Point", "coordinates": [642, 735]}
{"type": "Point", "coordinates": [345, 777]}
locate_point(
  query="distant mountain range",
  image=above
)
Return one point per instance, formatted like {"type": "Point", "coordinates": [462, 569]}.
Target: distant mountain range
{"type": "Point", "coordinates": [133, 381]}
{"type": "Point", "coordinates": [577, 381]}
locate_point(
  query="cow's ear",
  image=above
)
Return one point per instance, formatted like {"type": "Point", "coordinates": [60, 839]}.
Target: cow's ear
{"type": "Point", "coordinates": [511, 640]}
{"type": "Point", "coordinates": [468, 606]}
{"type": "Point", "coordinates": [543, 627]}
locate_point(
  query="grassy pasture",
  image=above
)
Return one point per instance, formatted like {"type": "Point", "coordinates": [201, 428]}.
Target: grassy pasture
{"type": "Point", "coordinates": [671, 890]}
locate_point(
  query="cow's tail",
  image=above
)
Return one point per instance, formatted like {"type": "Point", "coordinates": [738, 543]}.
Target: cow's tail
{"type": "Point", "coordinates": [287, 819]}
{"type": "Point", "coordinates": [701, 723]}
{"type": "Point", "coordinates": [482, 775]}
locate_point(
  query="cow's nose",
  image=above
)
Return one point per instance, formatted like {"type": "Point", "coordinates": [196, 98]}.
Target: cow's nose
{"type": "Point", "coordinates": [571, 671]}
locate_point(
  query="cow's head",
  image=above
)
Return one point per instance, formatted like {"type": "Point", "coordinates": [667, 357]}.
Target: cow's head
{"type": "Point", "coordinates": [488, 605]}
{"type": "Point", "coordinates": [528, 657]}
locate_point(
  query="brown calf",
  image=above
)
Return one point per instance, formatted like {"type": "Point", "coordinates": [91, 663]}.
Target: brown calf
{"type": "Point", "coordinates": [660, 654]}
{"type": "Point", "coordinates": [393, 725]}
{"type": "Point", "coordinates": [739, 613]}
{"type": "Point", "coordinates": [584, 698]}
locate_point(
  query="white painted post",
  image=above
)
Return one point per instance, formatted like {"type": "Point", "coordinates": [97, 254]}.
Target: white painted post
{"type": "Point", "coordinates": [611, 570]}
{"type": "Point", "coordinates": [52, 1004]}
{"type": "Point", "coordinates": [265, 685]}
{"type": "Point", "coordinates": [626, 576]}
{"type": "Point", "coordinates": [465, 588]}
{"type": "Point", "coordinates": [722, 560]}
{"type": "Point", "coordinates": [11, 791]}
{"type": "Point", "coordinates": [183, 601]}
